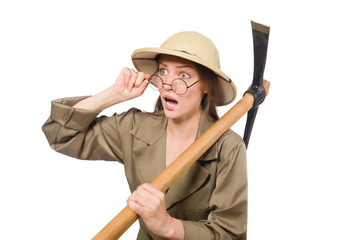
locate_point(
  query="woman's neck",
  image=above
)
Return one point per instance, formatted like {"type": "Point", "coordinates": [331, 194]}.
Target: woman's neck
{"type": "Point", "coordinates": [184, 128]}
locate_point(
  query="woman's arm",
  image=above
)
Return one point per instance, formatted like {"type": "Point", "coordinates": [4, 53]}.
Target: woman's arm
{"type": "Point", "coordinates": [228, 203]}
{"type": "Point", "coordinates": [74, 130]}
{"type": "Point", "coordinates": [129, 84]}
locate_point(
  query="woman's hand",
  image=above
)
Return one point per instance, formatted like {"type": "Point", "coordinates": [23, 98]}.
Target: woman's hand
{"type": "Point", "coordinates": [149, 203]}
{"type": "Point", "coordinates": [129, 84]}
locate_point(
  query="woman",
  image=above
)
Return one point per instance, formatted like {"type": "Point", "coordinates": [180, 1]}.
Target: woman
{"type": "Point", "coordinates": [209, 201]}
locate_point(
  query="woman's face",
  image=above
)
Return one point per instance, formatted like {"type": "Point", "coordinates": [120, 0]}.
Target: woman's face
{"type": "Point", "coordinates": [180, 107]}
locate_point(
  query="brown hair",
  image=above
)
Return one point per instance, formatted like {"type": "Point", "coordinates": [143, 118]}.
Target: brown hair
{"type": "Point", "coordinates": [209, 83]}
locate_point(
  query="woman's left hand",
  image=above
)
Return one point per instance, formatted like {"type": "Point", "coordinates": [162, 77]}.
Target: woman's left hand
{"type": "Point", "coordinates": [149, 203]}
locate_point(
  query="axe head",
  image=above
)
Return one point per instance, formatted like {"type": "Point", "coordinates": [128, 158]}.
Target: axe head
{"type": "Point", "coordinates": [260, 40]}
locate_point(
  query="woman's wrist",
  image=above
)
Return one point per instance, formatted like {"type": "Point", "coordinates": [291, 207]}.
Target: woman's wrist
{"type": "Point", "coordinates": [175, 229]}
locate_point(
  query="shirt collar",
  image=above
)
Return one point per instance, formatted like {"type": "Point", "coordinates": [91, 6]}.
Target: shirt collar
{"type": "Point", "coordinates": [151, 128]}
{"type": "Point", "coordinates": [155, 127]}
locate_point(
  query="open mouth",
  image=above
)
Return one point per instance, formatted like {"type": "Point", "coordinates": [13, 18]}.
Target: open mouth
{"type": "Point", "coordinates": [171, 102]}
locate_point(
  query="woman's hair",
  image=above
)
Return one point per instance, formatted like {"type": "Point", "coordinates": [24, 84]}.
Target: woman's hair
{"type": "Point", "coordinates": [209, 82]}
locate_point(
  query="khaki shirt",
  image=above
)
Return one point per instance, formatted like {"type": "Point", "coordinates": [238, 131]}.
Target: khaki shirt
{"type": "Point", "coordinates": [210, 197]}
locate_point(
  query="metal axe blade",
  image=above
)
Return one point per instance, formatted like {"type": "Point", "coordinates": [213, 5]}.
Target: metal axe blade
{"type": "Point", "coordinates": [260, 40]}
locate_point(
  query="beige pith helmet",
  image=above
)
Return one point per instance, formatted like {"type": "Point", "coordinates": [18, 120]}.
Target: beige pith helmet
{"type": "Point", "coordinates": [194, 47]}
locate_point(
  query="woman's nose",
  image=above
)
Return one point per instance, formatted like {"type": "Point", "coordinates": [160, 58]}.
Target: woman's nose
{"type": "Point", "coordinates": [167, 81]}
{"type": "Point", "coordinates": [167, 86]}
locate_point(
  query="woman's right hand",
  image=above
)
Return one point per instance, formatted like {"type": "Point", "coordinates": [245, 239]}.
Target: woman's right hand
{"type": "Point", "coordinates": [129, 84]}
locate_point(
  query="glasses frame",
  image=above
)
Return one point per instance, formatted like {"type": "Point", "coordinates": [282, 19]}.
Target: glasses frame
{"type": "Point", "coordinates": [163, 83]}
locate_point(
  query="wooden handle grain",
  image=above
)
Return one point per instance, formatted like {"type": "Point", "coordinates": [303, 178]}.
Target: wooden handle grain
{"type": "Point", "coordinates": [123, 220]}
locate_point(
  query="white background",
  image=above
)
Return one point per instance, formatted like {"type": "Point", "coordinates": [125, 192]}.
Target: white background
{"type": "Point", "coordinates": [304, 159]}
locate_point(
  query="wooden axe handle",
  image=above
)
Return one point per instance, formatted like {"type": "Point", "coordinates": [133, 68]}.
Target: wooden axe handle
{"type": "Point", "coordinates": [123, 220]}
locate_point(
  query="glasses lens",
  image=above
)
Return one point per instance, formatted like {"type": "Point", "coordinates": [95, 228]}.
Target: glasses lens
{"type": "Point", "coordinates": [179, 86]}
{"type": "Point", "coordinates": [156, 83]}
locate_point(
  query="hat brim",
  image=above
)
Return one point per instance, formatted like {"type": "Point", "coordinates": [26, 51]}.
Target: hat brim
{"type": "Point", "coordinates": [144, 60]}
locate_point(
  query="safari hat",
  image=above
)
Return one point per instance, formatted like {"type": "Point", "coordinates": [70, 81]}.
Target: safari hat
{"type": "Point", "coordinates": [192, 46]}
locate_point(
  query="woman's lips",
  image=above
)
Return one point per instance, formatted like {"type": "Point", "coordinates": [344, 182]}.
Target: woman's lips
{"type": "Point", "coordinates": [170, 103]}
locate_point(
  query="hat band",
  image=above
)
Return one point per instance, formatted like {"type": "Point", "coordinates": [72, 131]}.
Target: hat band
{"type": "Point", "coordinates": [183, 51]}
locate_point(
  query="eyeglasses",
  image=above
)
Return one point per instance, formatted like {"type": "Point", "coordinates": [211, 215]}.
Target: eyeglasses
{"type": "Point", "coordinates": [178, 85]}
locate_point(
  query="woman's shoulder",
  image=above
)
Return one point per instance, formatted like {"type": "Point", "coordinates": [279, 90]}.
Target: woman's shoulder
{"type": "Point", "coordinates": [135, 116]}
{"type": "Point", "coordinates": [139, 115]}
{"type": "Point", "coordinates": [230, 141]}
{"type": "Point", "coordinates": [231, 137]}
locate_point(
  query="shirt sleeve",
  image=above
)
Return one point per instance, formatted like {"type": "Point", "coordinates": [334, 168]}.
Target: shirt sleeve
{"type": "Point", "coordinates": [228, 203]}
{"type": "Point", "coordinates": [80, 134]}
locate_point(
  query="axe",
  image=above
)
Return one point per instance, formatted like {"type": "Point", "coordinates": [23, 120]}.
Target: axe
{"type": "Point", "coordinates": [252, 98]}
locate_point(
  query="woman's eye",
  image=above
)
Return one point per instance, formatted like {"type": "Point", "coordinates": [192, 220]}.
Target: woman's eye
{"type": "Point", "coordinates": [163, 71]}
{"type": "Point", "coordinates": [184, 75]}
